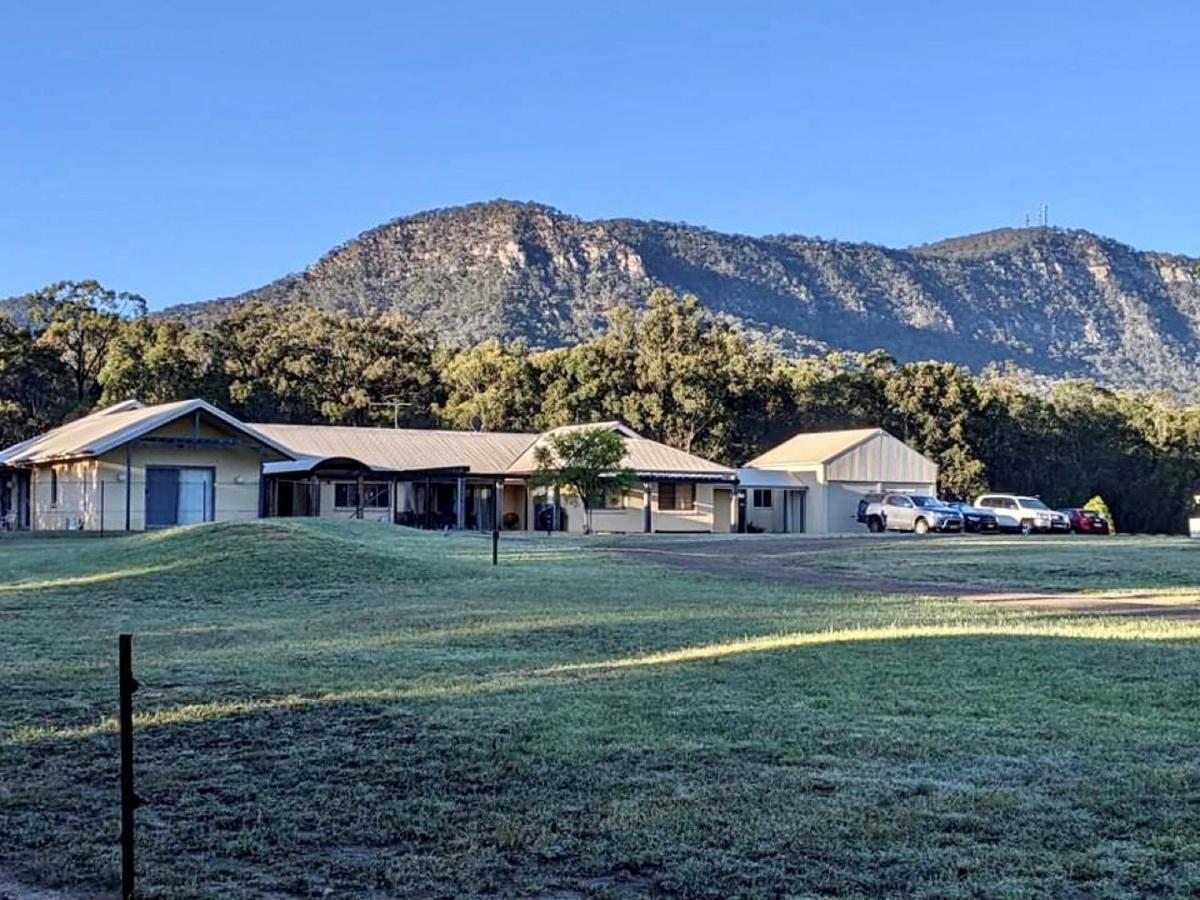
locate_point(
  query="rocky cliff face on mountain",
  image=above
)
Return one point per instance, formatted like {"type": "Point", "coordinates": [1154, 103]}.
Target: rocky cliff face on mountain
{"type": "Point", "coordinates": [1058, 302]}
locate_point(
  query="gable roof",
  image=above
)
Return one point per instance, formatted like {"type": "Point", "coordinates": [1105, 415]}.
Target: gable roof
{"type": "Point", "coordinates": [642, 455]}
{"type": "Point", "coordinates": [477, 452]}
{"type": "Point", "coordinates": [814, 448]}
{"type": "Point", "coordinates": [114, 426]}
{"type": "Point", "coordinates": [405, 449]}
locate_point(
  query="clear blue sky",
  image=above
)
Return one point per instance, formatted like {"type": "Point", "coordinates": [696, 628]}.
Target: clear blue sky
{"type": "Point", "coordinates": [192, 150]}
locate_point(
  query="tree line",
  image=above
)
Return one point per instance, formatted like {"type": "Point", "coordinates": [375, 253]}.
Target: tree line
{"type": "Point", "coordinates": [672, 372]}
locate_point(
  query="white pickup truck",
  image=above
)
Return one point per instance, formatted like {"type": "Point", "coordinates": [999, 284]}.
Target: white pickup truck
{"type": "Point", "coordinates": [912, 512]}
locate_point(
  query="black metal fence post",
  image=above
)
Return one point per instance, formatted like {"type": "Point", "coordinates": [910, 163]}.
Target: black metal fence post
{"type": "Point", "coordinates": [495, 546]}
{"type": "Point", "coordinates": [129, 799]}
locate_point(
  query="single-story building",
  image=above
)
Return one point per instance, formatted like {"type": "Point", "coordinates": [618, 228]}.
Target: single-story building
{"type": "Point", "coordinates": [130, 467]}
{"type": "Point", "coordinates": [480, 480]}
{"type": "Point", "coordinates": [812, 483]}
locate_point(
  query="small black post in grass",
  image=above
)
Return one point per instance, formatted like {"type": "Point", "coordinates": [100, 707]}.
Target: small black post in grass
{"type": "Point", "coordinates": [495, 546]}
{"type": "Point", "coordinates": [129, 799]}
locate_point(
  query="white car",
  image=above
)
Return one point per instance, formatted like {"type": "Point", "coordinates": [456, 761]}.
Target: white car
{"type": "Point", "coordinates": [1015, 512]}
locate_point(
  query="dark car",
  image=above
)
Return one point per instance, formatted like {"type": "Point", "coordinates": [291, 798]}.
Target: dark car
{"type": "Point", "coordinates": [1084, 521]}
{"type": "Point", "coordinates": [975, 520]}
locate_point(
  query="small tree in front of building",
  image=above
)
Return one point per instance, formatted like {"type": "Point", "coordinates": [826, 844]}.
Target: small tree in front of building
{"type": "Point", "coordinates": [1097, 505]}
{"type": "Point", "coordinates": [586, 462]}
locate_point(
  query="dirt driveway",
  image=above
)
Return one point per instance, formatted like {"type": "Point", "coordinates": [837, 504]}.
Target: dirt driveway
{"type": "Point", "coordinates": [799, 561]}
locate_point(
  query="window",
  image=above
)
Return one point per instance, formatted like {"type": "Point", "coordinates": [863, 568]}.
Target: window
{"type": "Point", "coordinates": [614, 498]}
{"type": "Point", "coordinates": [54, 487]}
{"type": "Point", "coordinates": [608, 498]}
{"type": "Point", "coordinates": [375, 495]}
{"type": "Point", "coordinates": [763, 499]}
{"type": "Point", "coordinates": [680, 497]}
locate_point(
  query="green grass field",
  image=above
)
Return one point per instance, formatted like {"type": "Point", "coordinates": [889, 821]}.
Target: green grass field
{"type": "Point", "coordinates": [1010, 562]}
{"type": "Point", "coordinates": [348, 710]}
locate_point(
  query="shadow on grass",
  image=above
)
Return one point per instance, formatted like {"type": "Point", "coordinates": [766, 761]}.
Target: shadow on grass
{"type": "Point", "coordinates": [859, 767]}
{"type": "Point", "coordinates": [505, 682]}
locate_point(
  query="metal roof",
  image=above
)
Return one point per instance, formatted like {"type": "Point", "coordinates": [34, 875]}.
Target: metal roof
{"type": "Point", "coordinates": [114, 426]}
{"type": "Point", "coordinates": [813, 448]}
{"type": "Point", "coordinates": [479, 452]}
{"type": "Point", "coordinates": [382, 449]}
{"type": "Point", "coordinates": [404, 449]}
{"type": "Point", "coordinates": [642, 455]}
{"type": "Point", "coordinates": [306, 465]}
{"type": "Point", "coordinates": [769, 478]}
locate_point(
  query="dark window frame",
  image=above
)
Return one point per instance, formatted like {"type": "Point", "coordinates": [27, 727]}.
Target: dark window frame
{"type": "Point", "coordinates": [611, 494]}
{"type": "Point", "coordinates": [758, 495]}
{"type": "Point", "coordinates": [672, 488]}
{"type": "Point", "coordinates": [370, 489]}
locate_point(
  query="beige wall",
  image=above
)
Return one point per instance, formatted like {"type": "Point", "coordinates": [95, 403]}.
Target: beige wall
{"type": "Point", "coordinates": [515, 501]}
{"type": "Point", "coordinates": [330, 509]}
{"type": "Point", "coordinates": [770, 519]}
{"type": "Point", "coordinates": [79, 502]}
{"type": "Point", "coordinates": [632, 518]}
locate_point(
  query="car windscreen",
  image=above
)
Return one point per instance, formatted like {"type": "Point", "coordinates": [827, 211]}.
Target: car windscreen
{"type": "Point", "coordinates": [926, 502]}
{"type": "Point", "coordinates": [1032, 503]}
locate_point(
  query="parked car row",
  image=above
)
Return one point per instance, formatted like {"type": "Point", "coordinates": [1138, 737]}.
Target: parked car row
{"type": "Point", "coordinates": [988, 514]}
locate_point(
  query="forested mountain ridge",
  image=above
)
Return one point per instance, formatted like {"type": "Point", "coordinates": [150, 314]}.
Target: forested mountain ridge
{"type": "Point", "coordinates": [1064, 303]}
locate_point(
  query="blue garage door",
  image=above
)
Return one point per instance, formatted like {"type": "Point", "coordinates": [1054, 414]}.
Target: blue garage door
{"type": "Point", "coordinates": [178, 495]}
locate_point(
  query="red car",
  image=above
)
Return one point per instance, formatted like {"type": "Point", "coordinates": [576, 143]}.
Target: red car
{"type": "Point", "coordinates": [1084, 521]}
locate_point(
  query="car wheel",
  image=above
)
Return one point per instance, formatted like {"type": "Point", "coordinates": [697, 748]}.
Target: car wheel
{"type": "Point", "coordinates": [874, 525]}
{"type": "Point", "coordinates": [921, 527]}
{"type": "Point", "coordinates": [1026, 526]}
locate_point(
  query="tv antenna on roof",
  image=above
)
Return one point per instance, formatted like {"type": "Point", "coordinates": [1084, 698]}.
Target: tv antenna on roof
{"type": "Point", "coordinates": [395, 403]}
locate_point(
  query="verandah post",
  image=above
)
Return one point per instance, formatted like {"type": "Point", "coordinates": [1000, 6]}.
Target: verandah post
{"type": "Point", "coordinates": [460, 504]}
{"type": "Point", "coordinates": [128, 488]}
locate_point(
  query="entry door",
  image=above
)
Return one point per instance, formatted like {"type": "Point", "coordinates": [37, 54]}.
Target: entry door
{"type": "Point", "coordinates": [722, 500]}
{"type": "Point", "coordinates": [162, 497]}
{"type": "Point", "coordinates": [795, 502]}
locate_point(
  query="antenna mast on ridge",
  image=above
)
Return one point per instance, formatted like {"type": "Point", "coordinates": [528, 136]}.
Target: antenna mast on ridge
{"type": "Point", "coordinates": [396, 405]}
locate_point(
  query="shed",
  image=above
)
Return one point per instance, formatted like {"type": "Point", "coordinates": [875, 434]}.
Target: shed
{"type": "Point", "coordinates": [827, 474]}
